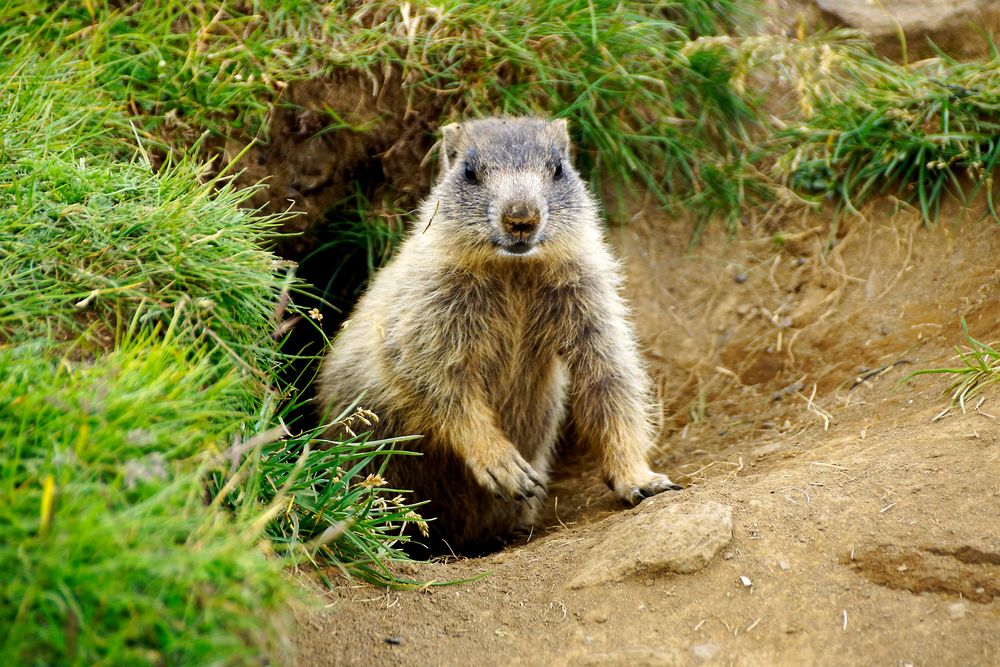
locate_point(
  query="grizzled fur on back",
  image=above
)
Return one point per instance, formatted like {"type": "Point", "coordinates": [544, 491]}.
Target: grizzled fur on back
{"type": "Point", "coordinates": [500, 312]}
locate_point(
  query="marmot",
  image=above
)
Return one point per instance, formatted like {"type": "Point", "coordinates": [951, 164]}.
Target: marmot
{"type": "Point", "coordinates": [500, 310]}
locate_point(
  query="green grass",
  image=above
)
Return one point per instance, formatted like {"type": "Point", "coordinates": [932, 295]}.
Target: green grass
{"type": "Point", "coordinates": [657, 93]}
{"type": "Point", "coordinates": [147, 504]}
{"type": "Point", "coordinates": [978, 367]}
{"type": "Point", "coordinates": [109, 549]}
{"type": "Point", "coordinates": [325, 510]}
{"type": "Point", "coordinates": [641, 108]}
{"type": "Point", "coordinates": [868, 127]}
{"type": "Point", "coordinates": [645, 105]}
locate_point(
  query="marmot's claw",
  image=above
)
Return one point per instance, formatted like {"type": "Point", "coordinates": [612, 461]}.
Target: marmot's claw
{"type": "Point", "coordinates": [649, 492]}
{"type": "Point", "coordinates": [529, 471]}
{"type": "Point", "coordinates": [512, 478]}
{"type": "Point", "coordinates": [636, 492]}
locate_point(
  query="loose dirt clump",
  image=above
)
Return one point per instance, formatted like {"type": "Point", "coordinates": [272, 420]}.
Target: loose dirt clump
{"type": "Point", "coordinates": [864, 522]}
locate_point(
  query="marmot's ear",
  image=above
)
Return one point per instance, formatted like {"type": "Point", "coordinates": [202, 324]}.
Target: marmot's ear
{"type": "Point", "coordinates": [560, 132]}
{"type": "Point", "coordinates": [451, 138]}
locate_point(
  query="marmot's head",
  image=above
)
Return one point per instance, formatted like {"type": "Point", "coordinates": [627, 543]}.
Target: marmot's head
{"type": "Point", "coordinates": [509, 184]}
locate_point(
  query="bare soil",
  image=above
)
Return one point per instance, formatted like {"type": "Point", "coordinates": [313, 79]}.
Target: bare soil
{"type": "Point", "coordinates": [867, 524]}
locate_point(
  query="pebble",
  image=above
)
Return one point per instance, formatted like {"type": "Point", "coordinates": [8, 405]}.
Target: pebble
{"type": "Point", "coordinates": [706, 650]}
{"type": "Point", "coordinates": [957, 610]}
{"type": "Point", "coordinates": [663, 536]}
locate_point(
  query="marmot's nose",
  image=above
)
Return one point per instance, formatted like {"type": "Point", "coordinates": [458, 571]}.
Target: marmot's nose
{"type": "Point", "coordinates": [520, 219]}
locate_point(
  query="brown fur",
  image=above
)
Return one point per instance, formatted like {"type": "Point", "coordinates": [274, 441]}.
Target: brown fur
{"type": "Point", "coordinates": [482, 351]}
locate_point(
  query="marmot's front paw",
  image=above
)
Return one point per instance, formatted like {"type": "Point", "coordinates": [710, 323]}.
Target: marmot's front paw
{"type": "Point", "coordinates": [649, 484]}
{"type": "Point", "coordinates": [509, 476]}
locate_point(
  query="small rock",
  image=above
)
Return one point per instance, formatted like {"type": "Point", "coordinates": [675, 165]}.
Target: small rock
{"type": "Point", "coordinates": [729, 555]}
{"type": "Point", "coordinates": [783, 564]}
{"type": "Point", "coordinates": [955, 26]}
{"type": "Point", "coordinates": [746, 581]}
{"type": "Point", "coordinates": [662, 536]}
{"type": "Point", "coordinates": [393, 641]}
{"type": "Point", "coordinates": [706, 650]}
{"type": "Point", "coordinates": [957, 610]}
{"type": "Point", "coordinates": [740, 278]}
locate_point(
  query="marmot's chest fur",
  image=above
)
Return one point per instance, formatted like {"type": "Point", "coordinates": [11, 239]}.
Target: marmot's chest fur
{"type": "Point", "coordinates": [509, 320]}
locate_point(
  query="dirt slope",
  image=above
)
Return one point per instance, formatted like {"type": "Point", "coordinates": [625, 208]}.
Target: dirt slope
{"type": "Point", "coordinates": [870, 532]}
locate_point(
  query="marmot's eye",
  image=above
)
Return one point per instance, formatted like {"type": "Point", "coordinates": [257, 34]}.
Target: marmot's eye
{"type": "Point", "coordinates": [557, 173]}
{"type": "Point", "coordinates": [470, 173]}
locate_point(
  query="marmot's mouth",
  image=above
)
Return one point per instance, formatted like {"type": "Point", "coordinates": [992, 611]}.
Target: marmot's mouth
{"type": "Point", "coordinates": [518, 248]}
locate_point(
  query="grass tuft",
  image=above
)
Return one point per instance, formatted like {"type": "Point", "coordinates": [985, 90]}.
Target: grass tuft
{"type": "Point", "coordinates": [979, 367]}
{"type": "Point", "coordinates": [110, 550]}
{"type": "Point", "coordinates": [870, 127]}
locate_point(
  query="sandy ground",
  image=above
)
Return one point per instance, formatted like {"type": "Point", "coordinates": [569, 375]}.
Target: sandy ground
{"type": "Point", "coordinates": [867, 524]}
